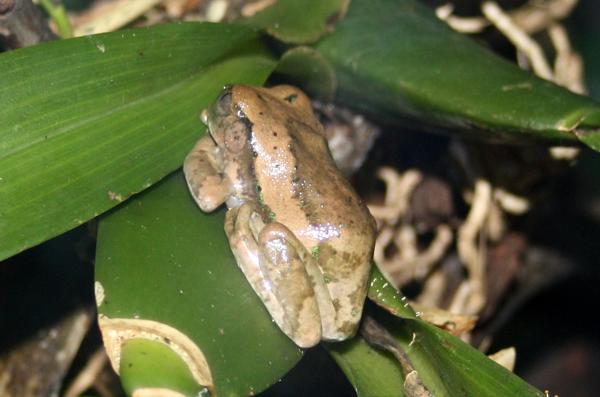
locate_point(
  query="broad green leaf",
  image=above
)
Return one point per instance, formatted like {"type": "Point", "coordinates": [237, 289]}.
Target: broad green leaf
{"type": "Point", "coordinates": [298, 22]}
{"type": "Point", "coordinates": [450, 367]}
{"type": "Point", "coordinates": [87, 122]}
{"type": "Point", "coordinates": [161, 259]}
{"type": "Point", "coordinates": [371, 372]}
{"type": "Point", "coordinates": [395, 61]}
{"type": "Point", "coordinates": [447, 365]}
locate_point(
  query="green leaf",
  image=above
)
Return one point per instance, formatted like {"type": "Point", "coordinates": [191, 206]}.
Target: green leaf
{"type": "Point", "coordinates": [387, 296]}
{"type": "Point", "coordinates": [298, 22]}
{"type": "Point", "coordinates": [161, 259]}
{"type": "Point", "coordinates": [395, 61]}
{"type": "Point", "coordinates": [371, 372]}
{"type": "Point", "coordinates": [449, 366]}
{"type": "Point", "coordinates": [148, 364]}
{"type": "Point", "coordinates": [58, 14]}
{"type": "Point", "coordinates": [85, 123]}
{"type": "Point", "coordinates": [306, 65]}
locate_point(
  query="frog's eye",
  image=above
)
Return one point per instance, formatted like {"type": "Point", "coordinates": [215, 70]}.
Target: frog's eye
{"type": "Point", "coordinates": [223, 103]}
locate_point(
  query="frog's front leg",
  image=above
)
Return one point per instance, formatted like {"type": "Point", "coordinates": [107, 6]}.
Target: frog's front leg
{"type": "Point", "coordinates": [280, 270]}
{"type": "Point", "coordinates": [203, 169]}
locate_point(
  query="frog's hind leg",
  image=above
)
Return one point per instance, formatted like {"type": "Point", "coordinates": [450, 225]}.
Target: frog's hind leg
{"type": "Point", "coordinates": [242, 241]}
{"type": "Point", "coordinates": [299, 284]}
{"type": "Point", "coordinates": [272, 260]}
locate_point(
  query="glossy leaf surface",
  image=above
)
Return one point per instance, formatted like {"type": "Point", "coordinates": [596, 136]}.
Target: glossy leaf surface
{"type": "Point", "coordinates": [371, 372]}
{"type": "Point", "coordinates": [396, 61]}
{"type": "Point", "coordinates": [450, 367]}
{"type": "Point", "coordinates": [147, 364]}
{"type": "Point", "coordinates": [160, 258]}
{"type": "Point", "coordinates": [86, 122]}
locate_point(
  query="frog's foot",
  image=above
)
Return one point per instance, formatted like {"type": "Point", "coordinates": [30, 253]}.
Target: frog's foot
{"type": "Point", "coordinates": [283, 258]}
{"type": "Point", "coordinates": [209, 187]}
{"type": "Point", "coordinates": [272, 260]}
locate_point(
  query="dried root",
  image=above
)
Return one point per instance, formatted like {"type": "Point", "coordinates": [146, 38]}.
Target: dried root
{"type": "Point", "coordinates": [404, 258]}
{"type": "Point", "coordinates": [407, 262]}
{"type": "Point", "coordinates": [402, 252]}
{"type": "Point", "coordinates": [519, 26]}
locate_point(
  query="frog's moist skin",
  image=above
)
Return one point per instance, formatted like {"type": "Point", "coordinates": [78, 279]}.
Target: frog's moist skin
{"type": "Point", "coordinates": [299, 232]}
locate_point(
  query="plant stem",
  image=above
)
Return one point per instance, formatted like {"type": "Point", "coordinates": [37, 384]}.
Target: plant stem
{"type": "Point", "coordinates": [59, 16]}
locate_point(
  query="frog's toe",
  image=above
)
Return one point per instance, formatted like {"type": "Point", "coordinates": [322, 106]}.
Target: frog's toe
{"type": "Point", "coordinates": [209, 197]}
{"type": "Point", "coordinates": [307, 337]}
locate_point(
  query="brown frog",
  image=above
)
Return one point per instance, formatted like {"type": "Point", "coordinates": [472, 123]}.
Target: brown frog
{"type": "Point", "coordinates": [299, 232]}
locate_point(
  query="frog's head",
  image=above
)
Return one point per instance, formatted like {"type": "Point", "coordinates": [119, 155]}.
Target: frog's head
{"type": "Point", "coordinates": [227, 125]}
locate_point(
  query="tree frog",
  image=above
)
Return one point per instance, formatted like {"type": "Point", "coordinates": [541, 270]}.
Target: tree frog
{"type": "Point", "coordinates": [300, 234]}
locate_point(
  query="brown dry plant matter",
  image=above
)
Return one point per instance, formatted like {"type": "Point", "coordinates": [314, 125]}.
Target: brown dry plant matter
{"type": "Point", "coordinates": [401, 252]}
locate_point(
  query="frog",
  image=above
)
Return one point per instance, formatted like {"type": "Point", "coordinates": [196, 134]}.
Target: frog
{"type": "Point", "coordinates": [298, 231]}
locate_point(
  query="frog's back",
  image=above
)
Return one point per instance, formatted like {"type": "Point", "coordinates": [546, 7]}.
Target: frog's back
{"type": "Point", "coordinates": [324, 193]}
{"type": "Point", "coordinates": [300, 187]}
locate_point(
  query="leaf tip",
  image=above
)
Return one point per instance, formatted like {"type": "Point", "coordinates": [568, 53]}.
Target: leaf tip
{"type": "Point", "coordinates": [585, 125]}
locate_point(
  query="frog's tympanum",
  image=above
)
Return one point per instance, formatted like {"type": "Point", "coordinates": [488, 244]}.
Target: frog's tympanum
{"type": "Point", "coordinates": [299, 232]}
